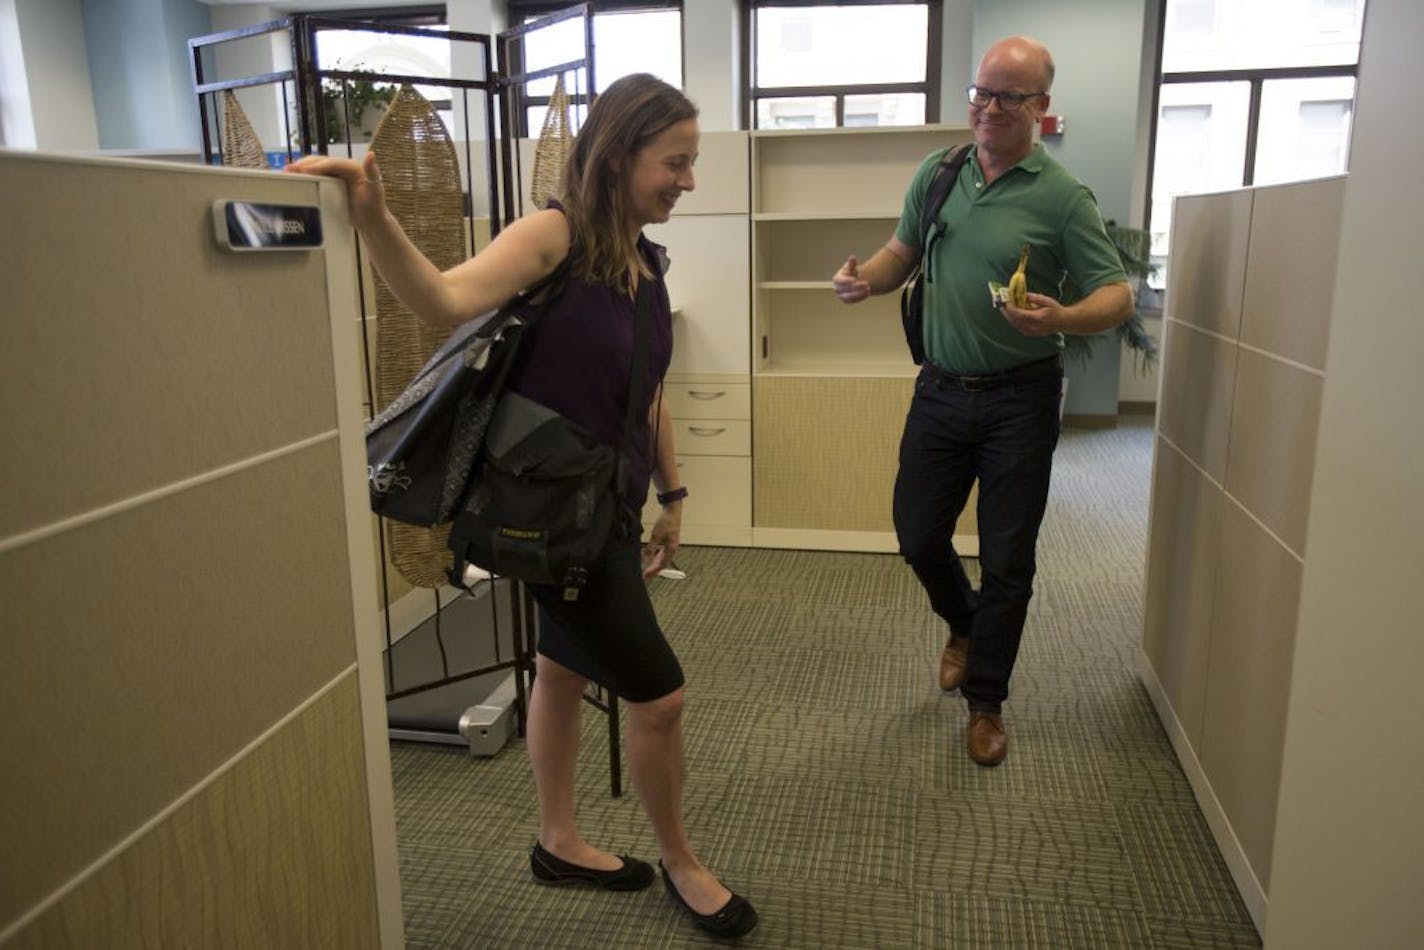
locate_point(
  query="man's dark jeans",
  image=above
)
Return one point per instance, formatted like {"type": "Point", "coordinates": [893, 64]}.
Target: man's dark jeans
{"type": "Point", "coordinates": [1003, 433]}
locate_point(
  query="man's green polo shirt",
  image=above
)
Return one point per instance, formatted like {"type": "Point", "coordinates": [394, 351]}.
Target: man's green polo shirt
{"type": "Point", "coordinates": [1036, 202]}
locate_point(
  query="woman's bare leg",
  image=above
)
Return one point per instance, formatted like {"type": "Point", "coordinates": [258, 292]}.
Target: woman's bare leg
{"type": "Point", "coordinates": [555, 718]}
{"type": "Point", "coordinates": [656, 763]}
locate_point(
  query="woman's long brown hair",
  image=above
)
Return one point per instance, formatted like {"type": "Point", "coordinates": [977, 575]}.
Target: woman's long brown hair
{"type": "Point", "coordinates": [623, 119]}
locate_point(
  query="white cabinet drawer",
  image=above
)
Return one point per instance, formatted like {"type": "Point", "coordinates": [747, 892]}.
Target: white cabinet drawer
{"type": "Point", "coordinates": [719, 491]}
{"type": "Point", "coordinates": [712, 436]}
{"type": "Point", "coordinates": [708, 400]}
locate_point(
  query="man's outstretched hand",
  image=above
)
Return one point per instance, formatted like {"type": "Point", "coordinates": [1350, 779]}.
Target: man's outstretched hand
{"type": "Point", "coordinates": [849, 285]}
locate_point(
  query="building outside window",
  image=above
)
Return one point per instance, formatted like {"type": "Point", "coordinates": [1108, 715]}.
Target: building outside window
{"type": "Point", "coordinates": [1252, 92]}
{"type": "Point", "coordinates": [848, 64]}
{"type": "Point", "coordinates": [628, 37]}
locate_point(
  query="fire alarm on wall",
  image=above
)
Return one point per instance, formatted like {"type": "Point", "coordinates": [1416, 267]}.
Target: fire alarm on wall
{"type": "Point", "coordinates": [1051, 125]}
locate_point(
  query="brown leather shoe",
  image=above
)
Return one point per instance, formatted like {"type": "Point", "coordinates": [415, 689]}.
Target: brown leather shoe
{"type": "Point", "coordinates": [988, 742]}
{"type": "Point", "coordinates": [952, 663]}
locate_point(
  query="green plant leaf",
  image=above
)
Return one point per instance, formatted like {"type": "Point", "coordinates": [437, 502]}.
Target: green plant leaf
{"type": "Point", "coordinates": [1134, 251]}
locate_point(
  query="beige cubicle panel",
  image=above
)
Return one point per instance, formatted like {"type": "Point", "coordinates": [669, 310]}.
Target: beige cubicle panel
{"type": "Point", "coordinates": [193, 728]}
{"type": "Point", "coordinates": [1248, 310]}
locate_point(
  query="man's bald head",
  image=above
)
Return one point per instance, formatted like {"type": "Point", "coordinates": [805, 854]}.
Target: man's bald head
{"type": "Point", "coordinates": [1022, 53]}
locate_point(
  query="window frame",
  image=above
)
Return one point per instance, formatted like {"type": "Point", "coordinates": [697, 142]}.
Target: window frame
{"type": "Point", "coordinates": [522, 11]}
{"type": "Point", "coordinates": [929, 88]}
{"type": "Point", "coordinates": [1256, 78]}
{"type": "Point", "coordinates": [434, 14]}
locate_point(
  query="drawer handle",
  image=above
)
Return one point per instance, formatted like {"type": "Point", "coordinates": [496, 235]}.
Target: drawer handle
{"type": "Point", "coordinates": [705, 430]}
{"type": "Point", "coordinates": [703, 394]}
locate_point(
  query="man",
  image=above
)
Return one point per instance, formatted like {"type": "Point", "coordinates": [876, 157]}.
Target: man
{"type": "Point", "coordinates": [986, 399]}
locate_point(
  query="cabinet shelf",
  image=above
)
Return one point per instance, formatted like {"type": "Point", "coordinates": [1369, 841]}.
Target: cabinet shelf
{"type": "Point", "coordinates": [807, 326]}
{"type": "Point", "coordinates": [861, 172]}
{"type": "Point", "coordinates": [878, 214]}
{"type": "Point", "coordinates": [795, 285]}
{"type": "Point", "coordinates": [792, 253]}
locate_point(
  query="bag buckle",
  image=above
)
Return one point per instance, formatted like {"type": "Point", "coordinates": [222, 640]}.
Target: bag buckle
{"type": "Point", "coordinates": [575, 579]}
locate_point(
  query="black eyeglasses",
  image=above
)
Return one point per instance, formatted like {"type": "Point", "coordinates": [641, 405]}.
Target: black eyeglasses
{"type": "Point", "coordinates": [980, 98]}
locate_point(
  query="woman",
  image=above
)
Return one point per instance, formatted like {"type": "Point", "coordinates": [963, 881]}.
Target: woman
{"type": "Point", "coordinates": [631, 161]}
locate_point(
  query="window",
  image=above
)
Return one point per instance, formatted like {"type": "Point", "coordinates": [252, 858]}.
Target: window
{"type": "Point", "coordinates": [392, 53]}
{"type": "Point", "coordinates": [1251, 92]}
{"type": "Point", "coordinates": [1305, 128]}
{"type": "Point", "coordinates": [1201, 145]}
{"type": "Point", "coordinates": [388, 52]}
{"type": "Point", "coordinates": [848, 64]}
{"type": "Point", "coordinates": [628, 37]}
{"type": "Point", "coordinates": [1192, 20]}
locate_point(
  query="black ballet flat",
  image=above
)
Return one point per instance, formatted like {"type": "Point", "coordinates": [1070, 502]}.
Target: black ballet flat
{"type": "Point", "coordinates": [737, 916]}
{"type": "Point", "coordinates": [634, 875]}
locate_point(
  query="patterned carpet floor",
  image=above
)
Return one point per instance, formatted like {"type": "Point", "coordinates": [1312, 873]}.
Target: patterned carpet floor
{"type": "Point", "coordinates": [827, 778]}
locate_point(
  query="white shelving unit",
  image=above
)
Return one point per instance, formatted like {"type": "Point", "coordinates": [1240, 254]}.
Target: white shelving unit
{"type": "Point", "coordinates": [830, 383]}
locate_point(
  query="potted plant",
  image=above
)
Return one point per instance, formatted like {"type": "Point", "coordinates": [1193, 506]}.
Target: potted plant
{"type": "Point", "coordinates": [363, 100]}
{"type": "Point", "coordinates": [1133, 250]}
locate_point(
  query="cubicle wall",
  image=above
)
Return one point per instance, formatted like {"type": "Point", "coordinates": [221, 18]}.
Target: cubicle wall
{"type": "Point", "coordinates": [193, 718]}
{"type": "Point", "coordinates": [1243, 368]}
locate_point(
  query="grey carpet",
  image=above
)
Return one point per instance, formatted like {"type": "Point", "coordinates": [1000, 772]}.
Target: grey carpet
{"type": "Point", "coordinates": [827, 779]}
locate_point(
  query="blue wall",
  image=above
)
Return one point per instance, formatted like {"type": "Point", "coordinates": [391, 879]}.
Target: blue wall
{"type": "Point", "coordinates": [138, 64]}
{"type": "Point", "coordinates": [1098, 50]}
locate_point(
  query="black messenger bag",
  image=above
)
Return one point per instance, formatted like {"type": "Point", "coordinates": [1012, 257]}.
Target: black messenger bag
{"type": "Point", "coordinates": [422, 448]}
{"type": "Point", "coordinates": [547, 496]}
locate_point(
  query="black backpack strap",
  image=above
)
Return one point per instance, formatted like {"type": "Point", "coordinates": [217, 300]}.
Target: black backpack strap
{"type": "Point", "coordinates": [529, 303]}
{"type": "Point", "coordinates": [945, 175]}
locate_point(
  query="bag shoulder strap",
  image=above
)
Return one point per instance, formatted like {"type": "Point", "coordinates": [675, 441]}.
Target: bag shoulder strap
{"type": "Point", "coordinates": [642, 318]}
{"type": "Point", "coordinates": [946, 173]}
{"type": "Point", "coordinates": [529, 304]}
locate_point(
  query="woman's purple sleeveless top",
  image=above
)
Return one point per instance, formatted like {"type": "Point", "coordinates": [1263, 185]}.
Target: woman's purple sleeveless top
{"type": "Point", "coordinates": [575, 360]}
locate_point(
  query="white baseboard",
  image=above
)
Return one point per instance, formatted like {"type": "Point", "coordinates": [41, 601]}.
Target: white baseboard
{"type": "Point", "coordinates": [1227, 843]}
{"type": "Point", "coordinates": [717, 536]}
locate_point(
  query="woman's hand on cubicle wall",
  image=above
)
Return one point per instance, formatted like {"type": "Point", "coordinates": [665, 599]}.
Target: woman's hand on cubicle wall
{"type": "Point", "coordinates": [363, 183]}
